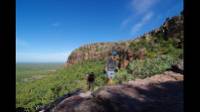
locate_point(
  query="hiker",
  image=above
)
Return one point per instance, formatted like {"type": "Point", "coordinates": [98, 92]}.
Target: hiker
{"type": "Point", "coordinates": [112, 66]}
{"type": "Point", "coordinates": [90, 80]}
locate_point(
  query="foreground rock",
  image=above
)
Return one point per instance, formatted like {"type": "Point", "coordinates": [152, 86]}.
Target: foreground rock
{"type": "Point", "coordinates": [179, 67]}
{"type": "Point", "coordinates": [159, 93]}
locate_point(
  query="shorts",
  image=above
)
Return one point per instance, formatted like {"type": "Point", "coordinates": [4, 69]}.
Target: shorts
{"type": "Point", "coordinates": [110, 74]}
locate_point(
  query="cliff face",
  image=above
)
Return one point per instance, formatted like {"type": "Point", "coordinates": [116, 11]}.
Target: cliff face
{"type": "Point", "coordinates": [172, 29]}
{"type": "Point", "coordinates": [96, 51]}
{"type": "Point", "coordinates": [90, 51]}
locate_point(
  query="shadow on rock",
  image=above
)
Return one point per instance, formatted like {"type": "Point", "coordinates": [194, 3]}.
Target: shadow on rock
{"type": "Point", "coordinates": [162, 97]}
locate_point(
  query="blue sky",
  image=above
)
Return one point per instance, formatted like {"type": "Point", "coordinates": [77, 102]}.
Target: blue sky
{"type": "Point", "coordinates": [48, 30]}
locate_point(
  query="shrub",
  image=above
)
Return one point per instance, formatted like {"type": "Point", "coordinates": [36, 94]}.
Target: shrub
{"type": "Point", "coordinates": [148, 67]}
{"type": "Point", "coordinates": [122, 76]}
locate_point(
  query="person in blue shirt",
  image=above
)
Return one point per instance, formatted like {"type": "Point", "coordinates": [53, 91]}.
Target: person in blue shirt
{"type": "Point", "coordinates": [112, 65]}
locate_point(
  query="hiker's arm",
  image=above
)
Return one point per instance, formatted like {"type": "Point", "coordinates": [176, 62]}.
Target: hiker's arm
{"type": "Point", "coordinates": [86, 77]}
{"type": "Point", "coordinates": [106, 67]}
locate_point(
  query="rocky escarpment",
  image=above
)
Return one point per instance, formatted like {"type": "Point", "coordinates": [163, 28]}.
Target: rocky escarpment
{"type": "Point", "coordinates": [159, 93]}
{"type": "Point", "coordinates": [90, 51]}
{"type": "Point", "coordinates": [172, 29]}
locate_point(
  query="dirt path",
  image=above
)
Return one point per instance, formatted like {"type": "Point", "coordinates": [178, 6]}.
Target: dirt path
{"type": "Point", "coordinates": [159, 93]}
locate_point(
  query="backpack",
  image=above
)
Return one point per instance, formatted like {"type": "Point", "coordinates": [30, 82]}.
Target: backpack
{"type": "Point", "coordinates": [91, 77]}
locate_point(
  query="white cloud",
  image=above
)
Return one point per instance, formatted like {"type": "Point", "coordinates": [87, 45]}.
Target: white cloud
{"type": "Point", "coordinates": [141, 23]}
{"type": "Point", "coordinates": [56, 24]}
{"type": "Point", "coordinates": [142, 9]}
{"type": "Point", "coordinates": [42, 57]}
{"type": "Point", "coordinates": [142, 6]}
{"type": "Point", "coordinates": [125, 22]}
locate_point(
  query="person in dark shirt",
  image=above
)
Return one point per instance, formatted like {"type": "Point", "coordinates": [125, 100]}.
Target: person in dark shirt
{"type": "Point", "coordinates": [90, 81]}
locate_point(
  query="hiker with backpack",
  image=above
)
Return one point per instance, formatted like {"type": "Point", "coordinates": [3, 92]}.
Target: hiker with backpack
{"type": "Point", "coordinates": [90, 81]}
{"type": "Point", "coordinates": [111, 66]}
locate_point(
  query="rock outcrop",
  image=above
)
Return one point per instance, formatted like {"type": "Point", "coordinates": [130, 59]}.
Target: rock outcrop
{"type": "Point", "coordinates": [179, 67]}
{"type": "Point", "coordinates": [159, 93]}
